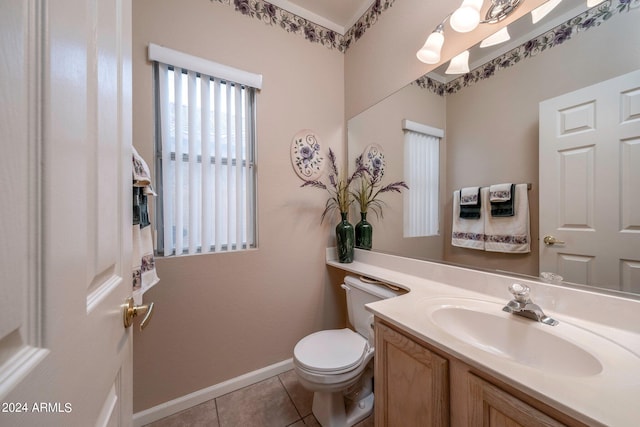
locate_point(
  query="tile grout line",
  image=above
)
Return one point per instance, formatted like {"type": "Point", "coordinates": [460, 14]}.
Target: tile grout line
{"type": "Point", "coordinates": [215, 403]}
{"type": "Point", "coordinates": [292, 401]}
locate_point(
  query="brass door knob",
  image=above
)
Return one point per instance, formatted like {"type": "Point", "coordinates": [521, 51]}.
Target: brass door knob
{"type": "Point", "coordinates": [550, 240]}
{"type": "Point", "coordinates": [129, 311]}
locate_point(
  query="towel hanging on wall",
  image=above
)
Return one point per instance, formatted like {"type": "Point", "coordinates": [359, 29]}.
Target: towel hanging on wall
{"type": "Point", "coordinates": [144, 273]}
{"type": "Point", "coordinates": [470, 203]}
{"type": "Point", "coordinates": [468, 233]}
{"type": "Point", "coordinates": [510, 234]}
{"type": "Point", "coordinates": [501, 197]}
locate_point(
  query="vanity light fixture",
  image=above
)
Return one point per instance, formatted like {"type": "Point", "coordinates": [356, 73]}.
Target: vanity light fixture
{"type": "Point", "coordinates": [499, 10]}
{"type": "Point", "coordinates": [459, 64]}
{"type": "Point", "coordinates": [541, 11]}
{"type": "Point", "coordinates": [464, 19]}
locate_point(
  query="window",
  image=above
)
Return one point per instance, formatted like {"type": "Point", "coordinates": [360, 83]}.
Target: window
{"type": "Point", "coordinates": [205, 155]}
{"type": "Point", "coordinates": [422, 175]}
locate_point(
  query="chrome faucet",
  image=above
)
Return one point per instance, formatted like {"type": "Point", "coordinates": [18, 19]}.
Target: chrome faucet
{"type": "Point", "coordinates": [522, 305]}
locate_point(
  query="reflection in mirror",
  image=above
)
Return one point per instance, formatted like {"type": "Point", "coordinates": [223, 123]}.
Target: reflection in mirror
{"type": "Point", "coordinates": [490, 118]}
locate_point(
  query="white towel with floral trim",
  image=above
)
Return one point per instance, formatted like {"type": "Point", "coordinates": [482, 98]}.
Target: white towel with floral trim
{"type": "Point", "coordinates": [500, 192]}
{"type": "Point", "coordinates": [509, 234]}
{"type": "Point", "coordinates": [468, 233]}
{"type": "Point", "coordinates": [144, 274]}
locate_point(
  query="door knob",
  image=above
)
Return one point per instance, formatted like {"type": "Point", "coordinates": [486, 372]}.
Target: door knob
{"type": "Point", "coordinates": [550, 240]}
{"type": "Point", "coordinates": [129, 311]}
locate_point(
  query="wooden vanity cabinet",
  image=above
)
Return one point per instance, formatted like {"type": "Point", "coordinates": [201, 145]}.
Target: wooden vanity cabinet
{"type": "Point", "coordinates": [417, 385]}
{"type": "Point", "coordinates": [492, 406]}
{"type": "Point", "coordinates": [411, 382]}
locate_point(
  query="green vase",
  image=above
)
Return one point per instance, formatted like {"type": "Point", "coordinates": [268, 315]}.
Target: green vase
{"type": "Point", "coordinates": [345, 238]}
{"type": "Point", "coordinates": [364, 233]}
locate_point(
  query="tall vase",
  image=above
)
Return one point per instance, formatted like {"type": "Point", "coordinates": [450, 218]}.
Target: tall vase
{"type": "Point", "coordinates": [345, 239]}
{"type": "Point", "coordinates": [364, 233]}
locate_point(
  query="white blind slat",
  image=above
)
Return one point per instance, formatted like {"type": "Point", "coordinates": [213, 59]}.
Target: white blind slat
{"type": "Point", "coordinates": [194, 189]}
{"type": "Point", "coordinates": [205, 124]}
{"type": "Point", "coordinates": [238, 169]}
{"type": "Point", "coordinates": [250, 230]}
{"type": "Point", "coordinates": [229, 169]}
{"type": "Point", "coordinates": [218, 167]}
{"type": "Point", "coordinates": [167, 199]}
{"type": "Point", "coordinates": [178, 190]}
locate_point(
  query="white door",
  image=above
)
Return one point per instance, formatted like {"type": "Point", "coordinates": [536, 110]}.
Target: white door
{"type": "Point", "coordinates": [65, 179]}
{"type": "Point", "coordinates": [590, 184]}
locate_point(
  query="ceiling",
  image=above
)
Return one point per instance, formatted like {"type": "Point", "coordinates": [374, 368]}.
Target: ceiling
{"type": "Point", "coordinates": [337, 15]}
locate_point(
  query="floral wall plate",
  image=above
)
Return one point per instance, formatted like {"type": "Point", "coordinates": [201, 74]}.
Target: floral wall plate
{"type": "Point", "coordinates": [306, 159]}
{"type": "Point", "coordinates": [373, 159]}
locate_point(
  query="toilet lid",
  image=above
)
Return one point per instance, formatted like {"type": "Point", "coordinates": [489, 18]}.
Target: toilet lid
{"type": "Point", "coordinates": [332, 350]}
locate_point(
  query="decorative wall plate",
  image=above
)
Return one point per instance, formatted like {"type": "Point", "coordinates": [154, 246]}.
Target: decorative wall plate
{"type": "Point", "coordinates": [306, 159]}
{"type": "Point", "coordinates": [373, 158]}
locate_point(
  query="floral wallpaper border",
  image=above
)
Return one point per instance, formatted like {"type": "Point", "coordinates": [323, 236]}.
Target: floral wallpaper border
{"type": "Point", "coordinates": [273, 15]}
{"type": "Point", "coordinates": [591, 18]}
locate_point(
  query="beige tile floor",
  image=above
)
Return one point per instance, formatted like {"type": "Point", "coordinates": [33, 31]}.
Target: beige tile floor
{"type": "Point", "coordinates": [279, 401]}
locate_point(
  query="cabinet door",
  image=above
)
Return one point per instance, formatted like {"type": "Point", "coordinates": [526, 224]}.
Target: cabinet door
{"type": "Point", "coordinates": [490, 406]}
{"type": "Point", "coordinates": [411, 387]}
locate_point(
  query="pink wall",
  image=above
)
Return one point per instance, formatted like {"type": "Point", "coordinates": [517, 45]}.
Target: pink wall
{"type": "Point", "coordinates": [219, 316]}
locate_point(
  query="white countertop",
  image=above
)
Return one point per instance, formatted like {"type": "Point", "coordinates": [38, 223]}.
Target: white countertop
{"type": "Point", "coordinates": [609, 397]}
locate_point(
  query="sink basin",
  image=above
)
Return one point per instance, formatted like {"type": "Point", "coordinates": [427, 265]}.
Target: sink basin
{"type": "Point", "coordinates": [483, 325]}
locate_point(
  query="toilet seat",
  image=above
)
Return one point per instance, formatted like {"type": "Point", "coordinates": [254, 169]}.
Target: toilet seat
{"type": "Point", "coordinates": [331, 352]}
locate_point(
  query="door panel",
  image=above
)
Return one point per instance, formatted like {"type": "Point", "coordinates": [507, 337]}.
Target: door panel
{"type": "Point", "coordinates": [589, 152]}
{"type": "Point", "coordinates": [71, 356]}
{"type": "Point", "coordinates": [577, 177]}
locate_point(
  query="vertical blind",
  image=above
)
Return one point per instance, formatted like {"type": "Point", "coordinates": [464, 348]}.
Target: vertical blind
{"type": "Point", "coordinates": [205, 159]}
{"type": "Point", "coordinates": [421, 203]}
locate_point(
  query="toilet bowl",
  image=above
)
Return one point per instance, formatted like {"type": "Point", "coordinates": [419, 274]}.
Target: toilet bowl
{"type": "Point", "coordinates": [337, 364]}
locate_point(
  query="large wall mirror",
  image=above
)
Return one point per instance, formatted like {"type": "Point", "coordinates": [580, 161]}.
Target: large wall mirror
{"type": "Point", "coordinates": [491, 127]}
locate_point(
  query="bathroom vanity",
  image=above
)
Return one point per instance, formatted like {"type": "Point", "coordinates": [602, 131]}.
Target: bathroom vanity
{"type": "Point", "coordinates": [418, 384]}
{"type": "Point", "coordinates": [447, 355]}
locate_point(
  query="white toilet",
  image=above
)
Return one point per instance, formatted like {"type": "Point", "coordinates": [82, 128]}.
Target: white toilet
{"type": "Point", "coordinates": [335, 364]}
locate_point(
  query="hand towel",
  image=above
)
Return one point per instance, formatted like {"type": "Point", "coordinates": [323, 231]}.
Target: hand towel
{"type": "Point", "coordinates": [469, 196]}
{"type": "Point", "coordinates": [500, 192]}
{"type": "Point", "coordinates": [510, 234]}
{"type": "Point", "coordinates": [470, 203]}
{"type": "Point", "coordinates": [141, 173]}
{"type": "Point", "coordinates": [467, 233]}
{"type": "Point", "coordinates": [144, 274]}
{"type": "Point", "coordinates": [501, 197]}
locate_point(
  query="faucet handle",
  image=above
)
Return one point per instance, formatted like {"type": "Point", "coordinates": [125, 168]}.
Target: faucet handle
{"type": "Point", "coordinates": [520, 292]}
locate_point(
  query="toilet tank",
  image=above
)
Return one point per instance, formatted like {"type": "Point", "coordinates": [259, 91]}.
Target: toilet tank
{"type": "Point", "coordinates": [360, 293]}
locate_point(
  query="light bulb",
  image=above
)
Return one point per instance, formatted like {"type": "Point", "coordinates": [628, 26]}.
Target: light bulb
{"type": "Point", "coordinates": [430, 52]}
{"type": "Point", "coordinates": [498, 37]}
{"type": "Point", "coordinates": [459, 64]}
{"type": "Point", "coordinates": [467, 17]}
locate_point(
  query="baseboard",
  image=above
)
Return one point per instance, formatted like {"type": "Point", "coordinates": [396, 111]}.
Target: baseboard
{"type": "Point", "coordinates": [197, 397]}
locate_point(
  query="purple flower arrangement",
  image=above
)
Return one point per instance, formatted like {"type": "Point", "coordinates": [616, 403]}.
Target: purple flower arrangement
{"type": "Point", "coordinates": [367, 181]}
{"type": "Point", "coordinates": [369, 185]}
